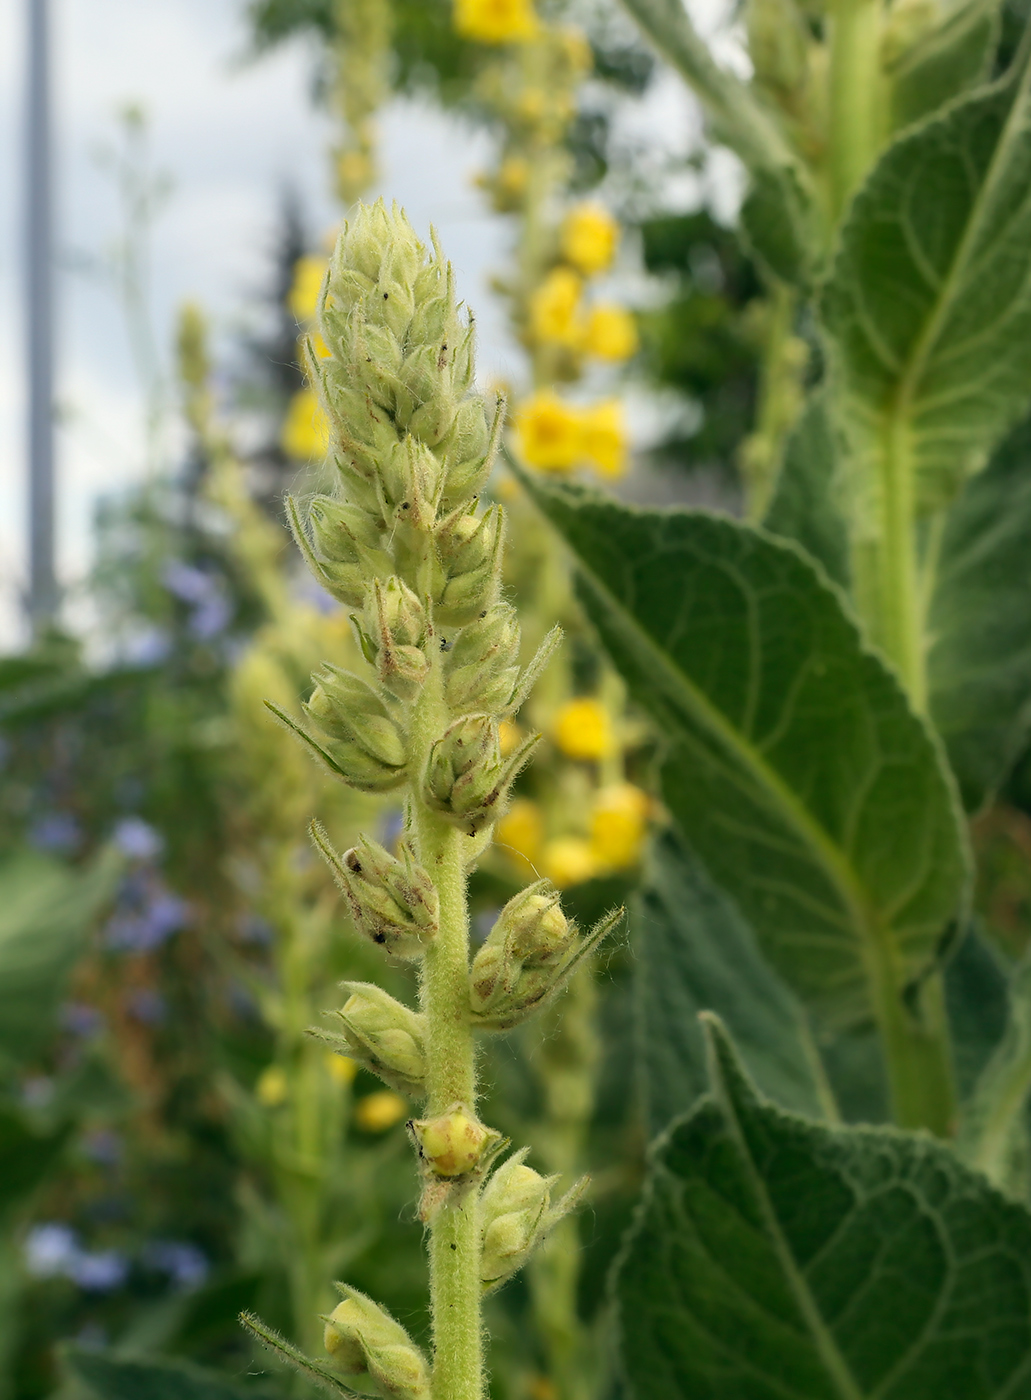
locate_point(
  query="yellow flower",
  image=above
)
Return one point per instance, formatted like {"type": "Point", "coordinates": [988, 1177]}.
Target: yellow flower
{"type": "Point", "coordinates": [603, 438]}
{"type": "Point", "coordinates": [589, 238]}
{"type": "Point", "coordinates": [568, 860]}
{"type": "Point", "coordinates": [496, 21]}
{"type": "Point", "coordinates": [375, 1113]}
{"type": "Point", "coordinates": [514, 175]}
{"type": "Point", "coordinates": [521, 830]}
{"type": "Point", "coordinates": [611, 333]}
{"type": "Point", "coordinates": [555, 308]}
{"type": "Point", "coordinates": [618, 825]}
{"type": "Point", "coordinates": [305, 431]}
{"type": "Point", "coordinates": [549, 432]}
{"type": "Point", "coordinates": [272, 1088]}
{"type": "Point", "coordinates": [303, 298]}
{"type": "Point", "coordinates": [341, 1067]}
{"type": "Point", "coordinates": [583, 729]}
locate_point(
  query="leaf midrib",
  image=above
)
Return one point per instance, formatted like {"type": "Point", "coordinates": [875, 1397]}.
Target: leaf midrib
{"type": "Point", "coordinates": [831, 857]}
{"type": "Point", "coordinates": [837, 1369]}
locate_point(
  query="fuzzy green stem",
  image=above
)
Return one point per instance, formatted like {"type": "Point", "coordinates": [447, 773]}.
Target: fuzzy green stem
{"type": "Point", "coordinates": [858, 108]}
{"type": "Point", "coordinates": [915, 1044]}
{"type": "Point", "coordinates": [451, 1077]}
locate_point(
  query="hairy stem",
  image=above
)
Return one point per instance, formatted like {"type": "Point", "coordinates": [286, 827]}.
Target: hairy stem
{"type": "Point", "coordinates": [858, 99]}
{"type": "Point", "coordinates": [451, 1078]}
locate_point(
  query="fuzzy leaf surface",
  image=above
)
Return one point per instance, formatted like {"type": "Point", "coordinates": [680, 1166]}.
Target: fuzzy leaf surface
{"type": "Point", "coordinates": [979, 665]}
{"type": "Point", "coordinates": [928, 305]}
{"type": "Point", "coordinates": [793, 763]}
{"type": "Point", "coordinates": [777, 1259]}
{"type": "Point", "coordinates": [694, 952]}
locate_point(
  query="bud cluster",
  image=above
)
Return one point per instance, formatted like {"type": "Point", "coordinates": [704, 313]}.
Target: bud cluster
{"type": "Point", "coordinates": [527, 957]}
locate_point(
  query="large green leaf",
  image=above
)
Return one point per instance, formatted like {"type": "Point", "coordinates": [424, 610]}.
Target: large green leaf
{"type": "Point", "coordinates": [953, 55]}
{"type": "Point", "coordinates": [979, 665]}
{"type": "Point", "coordinates": [804, 507]}
{"type": "Point", "coordinates": [120, 1378]}
{"type": "Point", "coordinates": [793, 763]}
{"type": "Point", "coordinates": [694, 952]}
{"type": "Point", "coordinates": [45, 912]}
{"type": "Point", "coordinates": [928, 305]}
{"type": "Point", "coordinates": [776, 1259]}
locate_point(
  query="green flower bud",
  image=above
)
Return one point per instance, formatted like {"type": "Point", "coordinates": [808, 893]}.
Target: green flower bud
{"type": "Point", "coordinates": [469, 549]}
{"type": "Point", "coordinates": [515, 1215]}
{"type": "Point", "coordinates": [392, 900]}
{"type": "Point", "coordinates": [392, 632]}
{"type": "Point", "coordinates": [466, 779]}
{"type": "Point", "coordinates": [527, 958]}
{"type": "Point", "coordinates": [470, 449]}
{"type": "Point", "coordinates": [375, 1353]}
{"type": "Point", "coordinates": [513, 1208]}
{"type": "Point", "coordinates": [455, 1143]}
{"type": "Point", "coordinates": [482, 667]}
{"type": "Point", "coordinates": [347, 758]}
{"type": "Point", "coordinates": [340, 532]}
{"type": "Point", "coordinates": [384, 1036]}
{"type": "Point", "coordinates": [350, 713]}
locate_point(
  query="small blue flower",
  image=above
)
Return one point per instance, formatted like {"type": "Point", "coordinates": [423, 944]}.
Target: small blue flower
{"type": "Point", "coordinates": [58, 832]}
{"type": "Point", "coordinates": [137, 839]}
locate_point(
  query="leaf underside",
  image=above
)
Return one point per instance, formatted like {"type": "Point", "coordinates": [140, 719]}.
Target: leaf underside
{"type": "Point", "coordinates": [793, 763]}
{"type": "Point", "coordinates": [776, 1259]}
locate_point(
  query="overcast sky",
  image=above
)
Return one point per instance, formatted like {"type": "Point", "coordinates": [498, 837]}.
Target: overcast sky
{"type": "Point", "coordinates": [232, 135]}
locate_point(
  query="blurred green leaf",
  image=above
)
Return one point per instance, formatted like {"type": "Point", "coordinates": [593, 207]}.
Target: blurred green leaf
{"type": "Point", "coordinates": [928, 304]}
{"type": "Point", "coordinates": [804, 508]}
{"type": "Point", "coordinates": [953, 55]}
{"type": "Point", "coordinates": [27, 1156]}
{"type": "Point", "coordinates": [694, 952]}
{"type": "Point", "coordinates": [45, 913]}
{"type": "Point", "coordinates": [979, 664]}
{"type": "Point", "coordinates": [775, 1258]}
{"type": "Point", "coordinates": [793, 763]}
{"type": "Point", "coordinates": [117, 1378]}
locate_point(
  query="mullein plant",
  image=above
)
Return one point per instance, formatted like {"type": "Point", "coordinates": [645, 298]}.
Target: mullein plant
{"type": "Point", "coordinates": [312, 1207]}
{"type": "Point", "coordinates": [404, 543]}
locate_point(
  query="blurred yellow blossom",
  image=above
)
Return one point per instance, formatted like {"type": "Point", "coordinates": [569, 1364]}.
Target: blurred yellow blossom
{"type": "Point", "coordinates": [496, 21]}
{"type": "Point", "coordinates": [341, 1067]}
{"type": "Point", "coordinates": [377, 1112]}
{"type": "Point", "coordinates": [555, 308]}
{"type": "Point", "coordinates": [568, 860]}
{"type": "Point", "coordinates": [549, 432]}
{"type": "Point", "coordinates": [618, 825]}
{"type": "Point", "coordinates": [589, 238]}
{"type": "Point", "coordinates": [582, 728]}
{"type": "Point", "coordinates": [271, 1088]}
{"type": "Point", "coordinates": [603, 438]}
{"type": "Point", "coordinates": [521, 829]}
{"type": "Point", "coordinates": [305, 431]}
{"type": "Point", "coordinates": [303, 299]}
{"type": "Point", "coordinates": [510, 736]}
{"type": "Point", "coordinates": [320, 347]}
{"type": "Point", "coordinates": [611, 333]}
